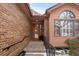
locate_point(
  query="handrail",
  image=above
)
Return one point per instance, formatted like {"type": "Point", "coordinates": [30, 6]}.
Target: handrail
{"type": "Point", "coordinates": [50, 51]}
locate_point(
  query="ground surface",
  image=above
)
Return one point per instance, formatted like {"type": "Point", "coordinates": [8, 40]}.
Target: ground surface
{"type": "Point", "coordinates": [35, 48]}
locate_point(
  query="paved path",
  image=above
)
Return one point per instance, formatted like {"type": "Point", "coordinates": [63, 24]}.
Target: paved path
{"type": "Point", "coordinates": [35, 48]}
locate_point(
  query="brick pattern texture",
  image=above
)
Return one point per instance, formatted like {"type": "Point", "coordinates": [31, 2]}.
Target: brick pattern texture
{"type": "Point", "coordinates": [14, 26]}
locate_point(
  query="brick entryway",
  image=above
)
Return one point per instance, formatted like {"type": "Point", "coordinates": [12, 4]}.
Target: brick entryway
{"type": "Point", "coordinates": [37, 27]}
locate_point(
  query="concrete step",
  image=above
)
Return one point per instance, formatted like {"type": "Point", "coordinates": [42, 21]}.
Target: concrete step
{"type": "Point", "coordinates": [35, 48]}
{"type": "Point", "coordinates": [35, 54]}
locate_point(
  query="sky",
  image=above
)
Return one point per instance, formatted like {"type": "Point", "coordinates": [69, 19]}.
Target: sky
{"type": "Point", "coordinates": [41, 7]}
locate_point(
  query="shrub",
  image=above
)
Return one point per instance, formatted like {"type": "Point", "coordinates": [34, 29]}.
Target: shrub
{"type": "Point", "coordinates": [73, 46]}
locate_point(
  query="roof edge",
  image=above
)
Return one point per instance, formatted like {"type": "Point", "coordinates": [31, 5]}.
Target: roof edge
{"type": "Point", "coordinates": [56, 6]}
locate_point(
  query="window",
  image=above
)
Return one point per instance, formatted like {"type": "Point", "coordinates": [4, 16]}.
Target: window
{"type": "Point", "coordinates": [64, 28]}
{"type": "Point", "coordinates": [66, 25]}
{"type": "Point", "coordinates": [66, 15]}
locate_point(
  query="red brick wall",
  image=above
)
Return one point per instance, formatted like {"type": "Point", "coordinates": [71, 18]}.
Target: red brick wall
{"type": "Point", "coordinates": [46, 27]}
{"type": "Point", "coordinates": [14, 26]}
{"type": "Point", "coordinates": [59, 41]}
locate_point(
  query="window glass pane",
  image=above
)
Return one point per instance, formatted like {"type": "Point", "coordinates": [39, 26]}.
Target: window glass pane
{"type": "Point", "coordinates": [57, 28]}
{"type": "Point", "coordinates": [66, 15]}
{"type": "Point", "coordinates": [63, 28]}
{"type": "Point", "coordinates": [76, 28]}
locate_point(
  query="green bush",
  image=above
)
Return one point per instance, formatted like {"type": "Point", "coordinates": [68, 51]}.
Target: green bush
{"type": "Point", "coordinates": [73, 46]}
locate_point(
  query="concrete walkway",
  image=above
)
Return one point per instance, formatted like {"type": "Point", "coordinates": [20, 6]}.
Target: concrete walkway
{"type": "Point", "coordinates": [35, 48]}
